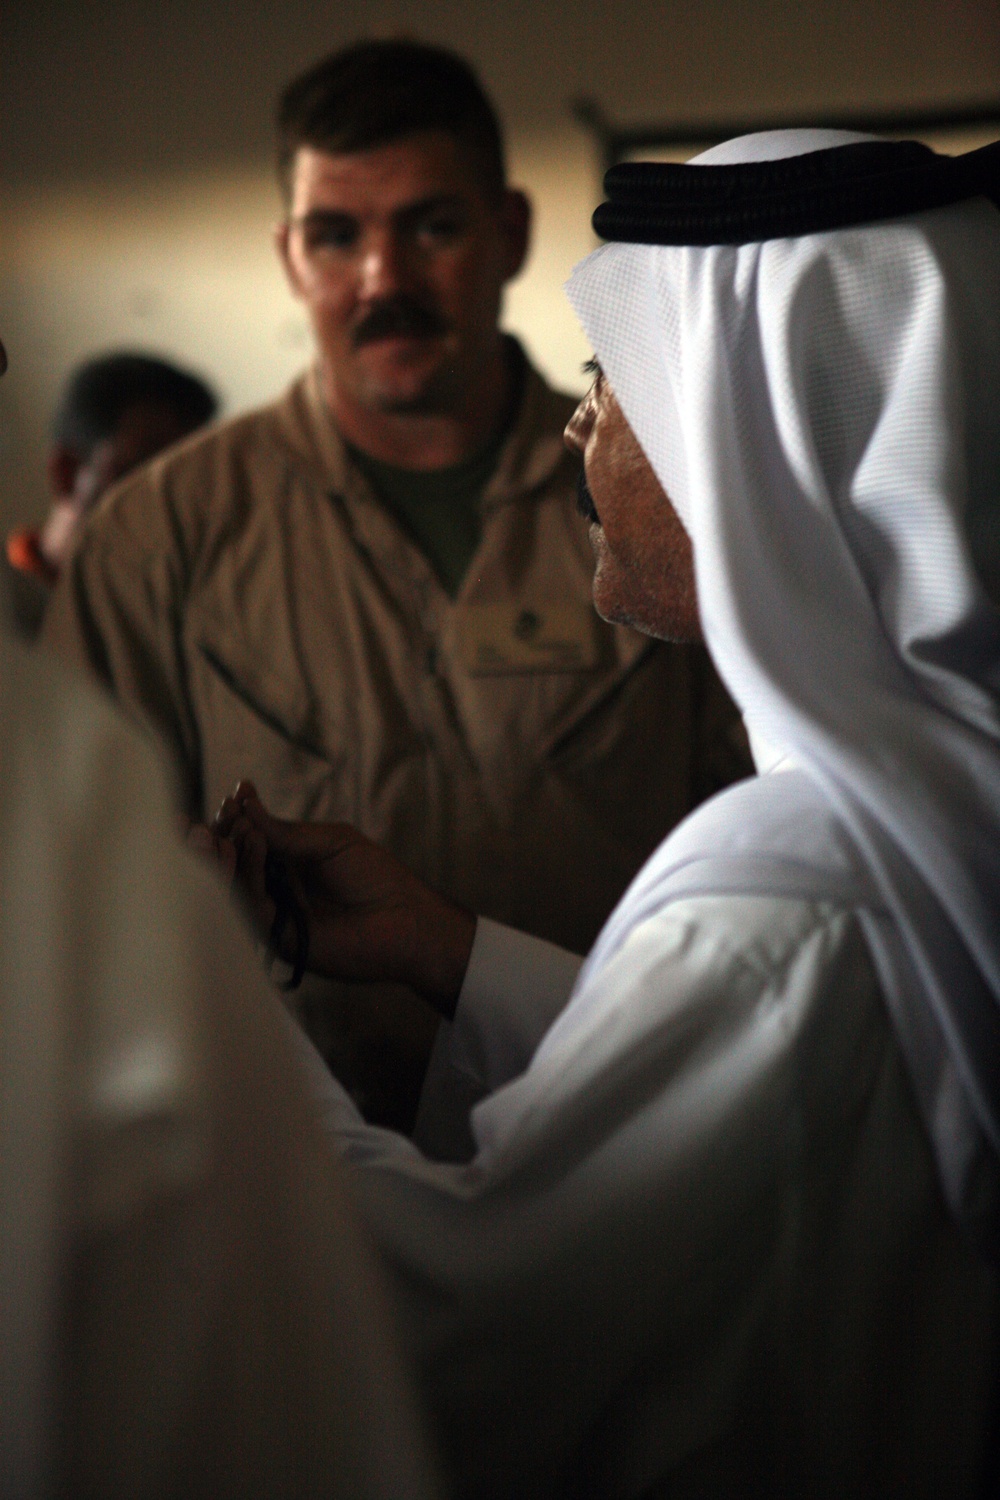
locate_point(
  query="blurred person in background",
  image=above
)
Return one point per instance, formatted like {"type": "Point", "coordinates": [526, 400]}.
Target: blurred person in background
{"type": "Point", "coordinates": [116, 412]}
{"type": "Point", "coordinates": [187, 1305]}
{"type": "Point", "coordinates": [373, 595]}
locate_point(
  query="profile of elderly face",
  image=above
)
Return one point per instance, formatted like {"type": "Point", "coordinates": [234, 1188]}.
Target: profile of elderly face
{"type": "Point", "coordinates": [644, 574]}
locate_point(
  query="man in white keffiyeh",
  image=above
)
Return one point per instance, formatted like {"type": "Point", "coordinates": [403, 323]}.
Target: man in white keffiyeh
{"type": "Point", "coordinates": [732, 1198]}
{"type": "Point", "coordinates": [833, 429]}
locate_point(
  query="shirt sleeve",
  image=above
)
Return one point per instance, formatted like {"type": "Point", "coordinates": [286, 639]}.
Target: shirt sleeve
{"type": "Point", "coordinates": [514, 987]}
{"type": "Point", "coordinates": [117, 612]}
{"type": "Point", "coordinates": [596, 1263]}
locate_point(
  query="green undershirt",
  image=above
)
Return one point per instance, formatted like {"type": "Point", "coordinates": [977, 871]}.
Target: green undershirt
{"type": "Point", "coordinates": [440, 508]}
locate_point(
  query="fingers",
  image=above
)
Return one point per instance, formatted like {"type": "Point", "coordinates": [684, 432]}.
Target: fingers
{"type": "Point", "coordinates": [251, 852]}
{"type": "Point", "coordinates": [313, 842]}
{"type": "Point", "coordinates": [256, 839]}
{"type": "Point", "coordinates": [242, 799]}
{"type": "Point", "coordinates": [216, 850]}
{"type": "Point", "coordinates": [310, 843]}
{"type": "Point", "coordinates": [252, 847]}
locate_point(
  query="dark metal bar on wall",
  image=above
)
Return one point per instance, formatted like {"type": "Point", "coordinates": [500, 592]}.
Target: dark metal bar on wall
{"type": "Point", "coordinates": [617, 143]}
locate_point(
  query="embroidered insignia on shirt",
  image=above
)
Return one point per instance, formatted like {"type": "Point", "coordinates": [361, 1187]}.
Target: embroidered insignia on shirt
{"type": "Point", "coordinates": [502, 638]}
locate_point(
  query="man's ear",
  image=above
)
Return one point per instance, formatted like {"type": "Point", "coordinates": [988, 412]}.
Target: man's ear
{"type": "Point", "coordinates": [515, 224]}
{"type": "Point", "coordinates": [62, 467]}
{"type": "Point", "coordinates": [282, 233]}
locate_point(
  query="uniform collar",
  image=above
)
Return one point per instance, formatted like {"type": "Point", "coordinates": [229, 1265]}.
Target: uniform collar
{"type": "Point", "coordinates": [529, 457]}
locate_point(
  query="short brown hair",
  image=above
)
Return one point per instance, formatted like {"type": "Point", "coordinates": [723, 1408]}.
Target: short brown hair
{"type": "Point", "coordinates": [375, 92]}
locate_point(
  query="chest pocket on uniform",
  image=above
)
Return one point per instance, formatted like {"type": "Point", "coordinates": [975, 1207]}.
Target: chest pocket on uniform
{"type": "Point", "coordinates": [499, 639]}
{"type": "Point", "coordinates": [255, 722]}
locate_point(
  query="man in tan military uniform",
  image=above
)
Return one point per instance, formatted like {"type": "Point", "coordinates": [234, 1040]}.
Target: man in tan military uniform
{"type": "Point", "coordinates": [373, 597]}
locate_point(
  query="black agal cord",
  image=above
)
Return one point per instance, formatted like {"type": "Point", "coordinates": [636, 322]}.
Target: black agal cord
{"type": "Point", "coordinates": [656, 203]}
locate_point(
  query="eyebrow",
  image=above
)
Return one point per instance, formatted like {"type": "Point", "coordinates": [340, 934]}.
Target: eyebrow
{"type": "Point", "coordinates": [430, 205]}
{"type": "Point", "coordinates": [406, 212]}
{"type": "Point", "coordinates": [591, 366]}
{"type": "Point", "coordinates": [321, 218]}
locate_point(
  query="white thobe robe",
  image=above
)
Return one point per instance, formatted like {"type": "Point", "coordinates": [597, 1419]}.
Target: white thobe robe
{"type": "Point", "coordinates": [700, 1247]}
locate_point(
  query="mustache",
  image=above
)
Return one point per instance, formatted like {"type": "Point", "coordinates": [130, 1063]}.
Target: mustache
{"type": "Point", "coordinates": [585, 500]}
{"type": "Point", "coordinates": [397, 317]}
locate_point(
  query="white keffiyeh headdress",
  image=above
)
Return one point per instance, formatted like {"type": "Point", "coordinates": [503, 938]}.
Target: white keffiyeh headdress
{"type": "Point", "coordinates": [824, 412]}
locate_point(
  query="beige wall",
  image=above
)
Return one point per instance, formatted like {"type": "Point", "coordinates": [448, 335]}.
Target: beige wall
{"type": "Point", "coordinates": [138, 199]}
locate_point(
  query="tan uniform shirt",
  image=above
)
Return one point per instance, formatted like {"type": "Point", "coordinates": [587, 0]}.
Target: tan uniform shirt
{"type": "Point", "coordinates": [249, 597]}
